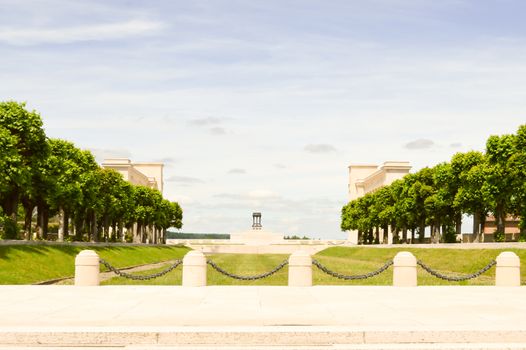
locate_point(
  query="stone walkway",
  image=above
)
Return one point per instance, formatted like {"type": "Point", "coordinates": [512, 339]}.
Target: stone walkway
{"type": "Point", "coordinates": [319, 316]}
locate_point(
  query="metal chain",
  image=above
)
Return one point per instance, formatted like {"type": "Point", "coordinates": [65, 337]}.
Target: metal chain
{"type": "Point", "coordinates": [352, 277]}
{"type": "Point", "coordinates": [457, 278]}
{"type": "Point", "coordinates": [247, 278]}
{"type": "Point", "coordinates": [139, 277]}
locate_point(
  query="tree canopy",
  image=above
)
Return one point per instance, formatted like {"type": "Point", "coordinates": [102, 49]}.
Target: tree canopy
{"type": "Point", "coordinates": [472, 183]}
{"type": "Point", "coordinates": [60, 180]}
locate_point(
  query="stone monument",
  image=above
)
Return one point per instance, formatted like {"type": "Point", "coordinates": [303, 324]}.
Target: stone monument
{"type": "Point", "coordinates": [256, 236]}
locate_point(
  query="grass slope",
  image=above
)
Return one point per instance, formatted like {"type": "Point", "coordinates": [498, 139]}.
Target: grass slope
{"type": "Point", "coordinates": [348, 261]}
{"type": "Point", "coordinates": [27, 264]}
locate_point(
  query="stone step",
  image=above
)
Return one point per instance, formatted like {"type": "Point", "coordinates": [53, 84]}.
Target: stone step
{"type": "Point", "coordinates": [304, 338]}
{"type": "Point", "coordinates": [435, 346]}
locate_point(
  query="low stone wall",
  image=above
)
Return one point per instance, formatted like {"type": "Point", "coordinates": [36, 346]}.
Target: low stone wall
{"type": "Point", "coordinates": [214, 246]}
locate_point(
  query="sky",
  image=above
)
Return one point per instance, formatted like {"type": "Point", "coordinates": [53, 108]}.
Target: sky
{"type": "Point", "coordinates": [262, 105]}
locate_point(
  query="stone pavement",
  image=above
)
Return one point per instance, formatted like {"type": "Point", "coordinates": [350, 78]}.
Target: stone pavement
{"type": "Point", "coordinates": [353, 317]}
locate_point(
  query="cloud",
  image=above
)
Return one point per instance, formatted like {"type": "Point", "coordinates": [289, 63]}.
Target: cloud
{"type": "Point", "coordinates": [106, 153]}
{"type": "Point", "coordinates": [167, 160]}
{"type": "Point", "coordinates": [205, 121]}
{"type": "Point", "coordinates": [237, 171]}
{"type": "Point", "coordinates": [218, 131]}
{"type": "Point", "coordinates": [455, 145]}
{"type": "Point", "coordinates": [420, 144]}
{"type": "Point", "coordinates": [187, 180]}
{"type": "Point", "coordinates": [209, 121]}
{"type": "Point", "coordinates": [65, 35]}
{"type": "Point", "coordinates": [249, 196]}
{"type": "Point", "coordinates": [319, 148]}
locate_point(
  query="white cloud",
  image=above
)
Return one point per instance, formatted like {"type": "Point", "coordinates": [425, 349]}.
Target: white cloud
{"type": "Point", "coordinates": [320, 148]}
{"type": "Point", "coordinates": [64, 35]}
{"type": "Point", "coordinates": [187, 180]}
{"type": "Point", "coordinates": [237, 171]}
{"type": "Point", "coordinates": [420, 144]}
{"type": "Point", "coordinates": [218, 131]}
{"type": "Point", "coordinates": [205, 121]}
{"type": "Point", "coordinates": [105, 153]}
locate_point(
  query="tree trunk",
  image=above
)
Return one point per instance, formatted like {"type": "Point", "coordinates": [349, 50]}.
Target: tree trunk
{"type": "Point", "coordinates": [65, 228]}
{"type": "Point", "coordinates": [482, 226]}
{"type": "Point", "coordinates": [28, 219]}
{"type": "Point", "coordinates": [476, 227]}
{"type": "Point", "coordinates": [500, 219]}
{"type": "Point", "coordinates": [503, 222]}
{"type": "Point", "coordinates": [40, 221]}
{"type": "Point", "coordinates": [94, 233]}
{"type": "Point", "coordinates": [60, 237]}
{"type": "Point", "coordinates": [106, 228]}
{"type": "Point", "coordinates": [421, 231]}
{"type": "Point", "coordinates": [458, 224]}
{"type": "Point", "coordinates": [45, 222]}
{"type": "Point", "coordinates": [79, 226]}
{"type": "Point", "coordinates": [10, 205]}
{"type": "Point", "coordinates": [121, 237]}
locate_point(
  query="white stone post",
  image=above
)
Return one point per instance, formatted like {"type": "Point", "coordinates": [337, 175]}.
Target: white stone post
{"type": "Point", "coordinates": [87, 268]}
{"type": "Point", "coordinates": [353, 237]}
{"type": "Point", "coordinates": [508, 272]}
{"type": "Point", "coordinates": [300, 269]}
{"type": "Point", "coordinates": [194, 269]}
{"type": "Point", "coordinates": [381, 235]}
{"type": "Point", "coordinates": [389, 235]}
{"type": "Point", "coordinates": [404, 270]}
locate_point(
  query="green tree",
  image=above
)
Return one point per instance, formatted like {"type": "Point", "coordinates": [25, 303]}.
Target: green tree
{"type": "Point", "coordinates": [498, 186]}
{"type": "Point", "coordinates": [25, 142]}
{"type": "Point", "coordinates": [471, 167]}
{"type": "Point", "coordinates": [517, 165]}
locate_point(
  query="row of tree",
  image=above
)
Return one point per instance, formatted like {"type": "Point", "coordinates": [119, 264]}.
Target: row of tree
{"type": "Point", "coordinates": [473, 183]}
{"type": "Point", "coordinates": [51, 177]}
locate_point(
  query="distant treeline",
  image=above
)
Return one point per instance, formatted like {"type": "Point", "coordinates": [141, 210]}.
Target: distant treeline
{"type": "Point", "coordinates": [182, 235]}
{"type": "Point", "coordinates": [295, 237]}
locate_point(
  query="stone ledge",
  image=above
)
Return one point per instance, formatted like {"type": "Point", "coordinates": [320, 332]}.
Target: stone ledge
{"type": "Point", "coordinates": [278, 336]}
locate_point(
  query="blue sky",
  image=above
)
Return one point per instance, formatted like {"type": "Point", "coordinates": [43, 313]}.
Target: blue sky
{"type": "Point", "coordinates": [262, 105]}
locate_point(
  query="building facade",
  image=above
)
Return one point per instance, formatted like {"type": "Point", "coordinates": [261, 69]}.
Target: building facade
{"type": "Point", "coordinates": [366, 178]}
{"type": "Point", "coordinates": [142, 174]}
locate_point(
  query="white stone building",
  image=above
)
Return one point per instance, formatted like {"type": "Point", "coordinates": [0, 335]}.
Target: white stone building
{"type": "Point", "coordinates": [365, 178]}
{"type": "Point", "coordinates": [143, 174]}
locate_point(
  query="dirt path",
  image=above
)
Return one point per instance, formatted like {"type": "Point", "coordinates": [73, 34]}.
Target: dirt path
{"type": "Point", "coordinates": [104, 276]}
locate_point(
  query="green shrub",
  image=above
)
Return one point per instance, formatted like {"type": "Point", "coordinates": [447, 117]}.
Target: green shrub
{"type": "Point", "coordinates": [450, 236]}
{"type": "Point", "coordinates": [10, 229]}
{"type": "Point", "coordinates": [499, 236]}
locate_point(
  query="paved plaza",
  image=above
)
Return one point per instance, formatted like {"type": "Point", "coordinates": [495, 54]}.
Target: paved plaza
{"type": "Point", "coordinates": [355, 316]}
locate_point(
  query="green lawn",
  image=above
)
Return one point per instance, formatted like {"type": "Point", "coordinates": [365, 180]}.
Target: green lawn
{"type": "Point", "coordinates": [348, 261]}
{"type": "Point", "coordinates": [27, 264]}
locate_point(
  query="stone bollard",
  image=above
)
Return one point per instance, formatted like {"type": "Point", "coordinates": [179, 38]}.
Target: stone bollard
{"type": "Point", "coordinates": [508, 272]}
{"type": "Point", "coordinates": [87, 268]}
{"type": "Point", "coordinates": [300, 269]}
{"type": "Point", "coordinates": [404, 270]}
{"type": "Point", "coordinates": [194, 269]}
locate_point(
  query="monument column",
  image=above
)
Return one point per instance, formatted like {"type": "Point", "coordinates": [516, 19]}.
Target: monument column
{"type": "Point", "coordinates": [256, 221]}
